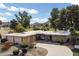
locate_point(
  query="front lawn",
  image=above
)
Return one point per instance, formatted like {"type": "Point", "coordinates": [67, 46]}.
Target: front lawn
{"type": "Point", "coordinates": [75, 52]}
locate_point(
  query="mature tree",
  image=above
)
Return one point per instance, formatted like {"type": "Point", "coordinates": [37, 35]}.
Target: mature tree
{"type": "Point", "coordinates": [23, 18]}
{"type": "Point", "coordinates": [73, 16]}
{"type": "Point", "coordinates": [44, 26]}
{"type": "Point", "coordinates": [13, 24]}
{"type": "Point", "coordinates": [21, 22]}
{"type": "Point", "coordinates": [54, 16]}
{"type": "Point", "coordinates": [63, 22]}
{"type": "Point", "coordinates": [68, 18]}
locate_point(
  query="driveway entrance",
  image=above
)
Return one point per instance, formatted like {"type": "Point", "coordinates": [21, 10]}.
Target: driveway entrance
{"type": "Point", "coordinates": [56, 50]}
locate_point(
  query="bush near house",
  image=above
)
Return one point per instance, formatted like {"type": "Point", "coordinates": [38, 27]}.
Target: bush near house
{"type": "Point", "coordinates": [3, 40]}
{"type": "Point", "coordinates": [19, 28]}
{"type": "Point", "coordinates": [23, 46]}
{"type": "Point", "coordinates": [15, 52]}
{"type": "Point", "coordinates": [24, 50]}
{"type": "Point", "coordinates": [75, 52]}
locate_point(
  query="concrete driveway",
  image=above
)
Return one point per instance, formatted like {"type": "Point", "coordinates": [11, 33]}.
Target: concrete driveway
{"type": "Point", "coordinates": [56, 50]}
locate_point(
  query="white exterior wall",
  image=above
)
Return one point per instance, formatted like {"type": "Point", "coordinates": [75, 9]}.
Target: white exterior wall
{"type": "Point", "coordinates": [14, 39]}
{"type": "Point", "coordinates": [76, 46]}
{"type": "Point", "coordinates": [10, 39]}
{"type": "Point", "coordinates": [59, 38]}
{"type": "Point", "coordinates": [17, 40]}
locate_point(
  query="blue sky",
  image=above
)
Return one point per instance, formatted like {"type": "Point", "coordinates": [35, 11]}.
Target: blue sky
{"type": "Point", "coordinates": [39, 11]}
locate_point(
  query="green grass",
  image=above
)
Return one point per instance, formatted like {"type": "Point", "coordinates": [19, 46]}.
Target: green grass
{"type": "Point", "coordinates": [75, 52]}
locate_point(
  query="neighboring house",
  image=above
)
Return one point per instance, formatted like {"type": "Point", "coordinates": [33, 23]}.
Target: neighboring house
{"type": "Point", "coordinates": [36, 26]}
{"type": "Point", "coordinates": [40, 26]}
{"type": "Point", "coordinates": [5, 24]}
{"type": "Point", "coordinates": [31, 36]}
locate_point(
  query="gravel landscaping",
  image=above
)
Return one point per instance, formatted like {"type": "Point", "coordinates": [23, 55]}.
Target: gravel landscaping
{"type": "Point", "coordinates": [43, 50]}
{"type": "Point", "coordinates": [39, 51]}
{"type": "Point", "coordinates": [8, 52]}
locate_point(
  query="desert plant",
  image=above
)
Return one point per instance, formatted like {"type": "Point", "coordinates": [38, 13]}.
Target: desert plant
{"type": "Point", "coordinates": [31, 46]}
{"type": "Point", "coordinates": [23, 46]}
{"type": "Point", "coordinates": [3, 40]}
{"type": "Point", "coordinates": [10, 32]}
{"type": "Point", "coordinates": [19, 28]}
{"type": "Point", "coordinates": [62, 42]}
{"type": "Point", "coordinates": [24, 50]}
{"type": "Point", "coordinates": [15, 52]}
{"type": "Point", "coordinates": [72, 30]}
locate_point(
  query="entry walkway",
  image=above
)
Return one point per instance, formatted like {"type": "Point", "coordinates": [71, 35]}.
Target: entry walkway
{"type": "Point", "coordinates": [56, 50]}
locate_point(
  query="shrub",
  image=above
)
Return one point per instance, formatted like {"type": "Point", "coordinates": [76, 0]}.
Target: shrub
{"type": "Point", "coordinates": [24, 50]}
{"type": "Point", "coordinates": [23, 46]}
{"type": "Point", "coordinates": [15, 52]}
{"type": "Point", "coordinates": [19, 28]}
{"type": "Point", "coordinates": [61, 42]}
{"type": "Point", "coordinates": [3, 40]}
{"type": "Point", "coordinates": [11, 32]}
{"type": "Point", "coordinates": [30, 46]}
{"type": "Point", "coordinates": [35, 47]}
{"type": "Point", "coordinates": [72, 30]}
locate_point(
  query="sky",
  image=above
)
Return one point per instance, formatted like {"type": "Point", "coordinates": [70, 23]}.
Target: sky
{"type": "Point", "coordinates": [40, 12]}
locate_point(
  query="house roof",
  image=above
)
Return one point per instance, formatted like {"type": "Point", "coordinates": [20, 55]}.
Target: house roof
{"type": "Point", "coordinates": [29, 33]}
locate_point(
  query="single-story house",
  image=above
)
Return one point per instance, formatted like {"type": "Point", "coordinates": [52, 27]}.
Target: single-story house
{"type": "Point", "coordinates": [21, 38]}
{"type": "Point", "coordinates": [53, 36]}
{"type": "Point", "coordinates": [76, 42]}
{"type": "Point", "coordinates": [31, 36]}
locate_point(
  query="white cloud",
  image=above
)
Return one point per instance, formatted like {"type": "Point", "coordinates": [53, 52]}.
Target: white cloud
{"type": "Point", "coordinates": [15, 9]}
{"type": "Point", "coordinates": [23, 9]}
{"type": "Point", "coordinates": [32, 11]}
{"type": "Point", "coordinates": [2, 6]}
{"type": "Point", "coordinates": [5, 14]}
{"type": "Point", "coordinates": [8, 14]}
{"type": "Point", "coordinates": [3, 19]}
{"type": "Point", "coordinates": [75, 2]}
{"type": "Point", "coordinates": [12, 8]}
{"type": "Point", "coordinates": [39, 20]}
{"type": "Point", "coordinates": [8, 8]}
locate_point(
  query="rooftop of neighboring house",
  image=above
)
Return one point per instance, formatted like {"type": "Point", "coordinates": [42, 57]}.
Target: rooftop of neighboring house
{"type": "Point", "coordinates": [5, 23]}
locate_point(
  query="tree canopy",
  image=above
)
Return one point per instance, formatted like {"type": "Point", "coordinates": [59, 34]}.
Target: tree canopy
{"type": "Point", "coordinates": [54, 15]}
{"type": "Point", "coordinates": [65, 18]}
{"type": "Point", "coordinates": [23, 18]}
{"type": "Point", "coordinates": [21, 21]}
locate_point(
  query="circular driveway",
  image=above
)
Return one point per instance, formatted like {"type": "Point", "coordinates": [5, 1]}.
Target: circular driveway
{"type": "Point", "coordinates": [56, 50]}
